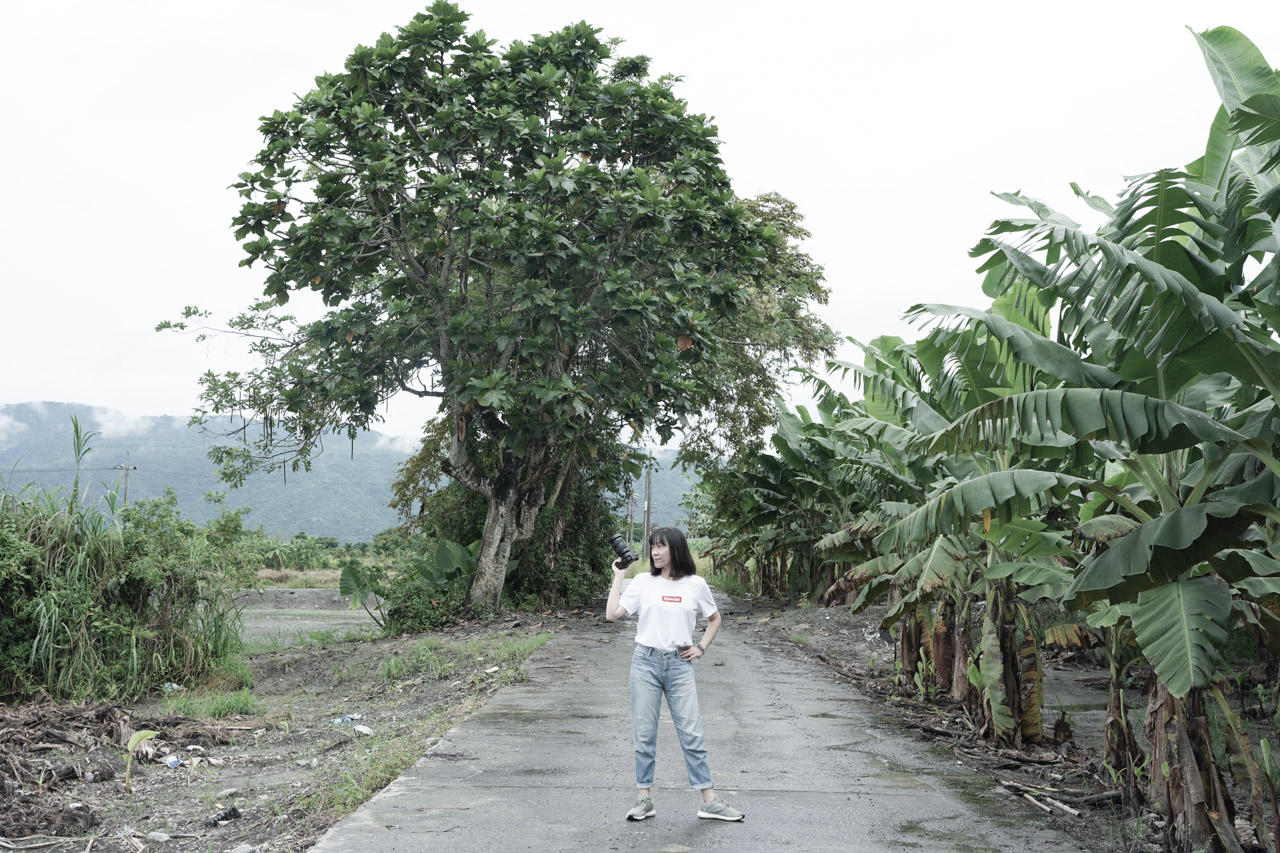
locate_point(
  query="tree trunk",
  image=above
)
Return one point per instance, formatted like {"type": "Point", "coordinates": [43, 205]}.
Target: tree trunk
{"type": "Point", "coordinates": [962, 689]}
{"type": "Point", "coordinates": [1192, 795]}
{"type": "Point", "coordinates": [943, 653]}
{"type": "Point", "coordinates": [908, 649]}
{"type": "Point", "coordinates": [500, 531]}
{"type": "Point", "coordinates": [1120, 750]}
{"type": "Point", "coordinates": [1031, 690]}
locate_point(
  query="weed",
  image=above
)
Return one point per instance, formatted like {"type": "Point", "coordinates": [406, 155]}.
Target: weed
{"type": "Point", "coordinates": [213, 704]}
{"type": "Point", "coordinates": [346, 673]}
{"type": "Point", "coordinates": [730, 584]}
{"type": "Point", "coordinates": [923, 676]}
{"type": "Point", "coordinates": [315, 639]}
{"type": "Point", "coordinates": [379, 760]}
{"type": "Point", "coordinates": [391, 669]}
{"type": "Point", "coordinates": [134, 742]}
{"type": "Point", "coordinates": [518, 649]}
{"type": "Point", "coordinates": [312, 580]}
{"type": "Point", "coordinates": [231, 673]}
{"type": "Point", "coordinates": [332, 636]}
{"type": "Point", "coordinates": [800, 639]}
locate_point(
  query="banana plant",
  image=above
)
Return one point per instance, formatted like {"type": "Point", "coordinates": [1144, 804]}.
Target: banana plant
{"type": "Point", "coordinates": [1174, 294]}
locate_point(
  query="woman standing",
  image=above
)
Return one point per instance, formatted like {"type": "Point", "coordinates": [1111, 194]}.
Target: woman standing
{"type": "Point", "coordinates": [668, 600]}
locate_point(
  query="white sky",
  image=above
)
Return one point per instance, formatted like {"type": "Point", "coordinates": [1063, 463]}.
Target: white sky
{"type": "Point", "coordinates": [888, 123]}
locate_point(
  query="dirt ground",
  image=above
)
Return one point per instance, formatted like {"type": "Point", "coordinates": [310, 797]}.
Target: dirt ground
{"type": "Point", "coordinates": [274, 780]}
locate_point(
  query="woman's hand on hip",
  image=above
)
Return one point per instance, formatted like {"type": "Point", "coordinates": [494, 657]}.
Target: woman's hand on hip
{"type": "Point", "coordinates": [692, 653]}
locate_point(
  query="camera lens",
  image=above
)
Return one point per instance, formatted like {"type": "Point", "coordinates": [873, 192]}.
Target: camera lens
{"type": "Point", "coordinates": [625, 555]}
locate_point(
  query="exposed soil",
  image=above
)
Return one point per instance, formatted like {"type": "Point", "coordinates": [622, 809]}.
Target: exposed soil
{"type": "Point", "coordinates": [290, 771]}
{"type": "Point", "coordinates": [269, 781]}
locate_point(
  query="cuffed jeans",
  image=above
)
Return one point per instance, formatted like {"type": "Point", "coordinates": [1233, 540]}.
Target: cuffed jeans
{"type": "Point", "coordinates": [654, 673]}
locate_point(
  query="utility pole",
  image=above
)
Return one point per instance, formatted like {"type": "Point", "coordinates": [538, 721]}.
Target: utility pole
{"type": "Point", "coordinates": [631, 511]}
{"type": "Point", "coordinates": [648, 503]}
{"type": "Point", "coordinates": [126, 467]}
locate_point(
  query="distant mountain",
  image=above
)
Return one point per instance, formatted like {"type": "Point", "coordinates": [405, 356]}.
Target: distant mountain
{"type": "Point", "coordinates": [345, 495]}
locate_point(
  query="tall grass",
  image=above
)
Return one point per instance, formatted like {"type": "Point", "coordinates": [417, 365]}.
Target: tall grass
{"type": "Point", "coordinates": [93, 606]}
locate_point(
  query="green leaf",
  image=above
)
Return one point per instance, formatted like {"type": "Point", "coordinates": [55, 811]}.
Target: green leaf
{"type": "Point", "coordinates": [938, 564]}
{"type": "Point", "coordinates": [451, 559]}
{"type": "Point", "coordinates": [1165, 546]}
{"type": "Point", "coordinates": [354, 584]}
{"type": "Point", "coordinates": [1238, 68]}
{"type": "Point", "coordinates": [1215, 166]}
{"type": "Point", "coordinates": [1010, 493]}
{"type": "Point", "coordinates": [1028, 538]}
{"type": "Point", "coordinates": [1104, 528]}
{"type": "Point", "coordinates": [139, 737]}
{"type": "Point", "coordinates": [1145, 424]}
{"type": "Point", "coordinates": [1235, 565]}
{"type": "Point", "coordinates": [1179, 627]}
{"type": "Point", "coordinates": [1259, 587]}
{"type": "Point", "coordinates": [1029, 348]}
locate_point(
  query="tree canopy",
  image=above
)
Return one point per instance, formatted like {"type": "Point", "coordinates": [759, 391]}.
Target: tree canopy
{"type": "Point", "coordinates": [542, 237]}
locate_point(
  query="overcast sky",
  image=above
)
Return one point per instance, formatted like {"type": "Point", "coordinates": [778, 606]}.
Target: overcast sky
{"type": "Point", "coordinates": [888, 123]}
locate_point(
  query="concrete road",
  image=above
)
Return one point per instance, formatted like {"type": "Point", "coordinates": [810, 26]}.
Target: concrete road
{"type": "Point", "coordinates": [546, 766]}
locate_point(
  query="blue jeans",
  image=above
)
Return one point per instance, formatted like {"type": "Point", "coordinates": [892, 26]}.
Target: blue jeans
{"type": "Point", "coordinates": [654, 673]}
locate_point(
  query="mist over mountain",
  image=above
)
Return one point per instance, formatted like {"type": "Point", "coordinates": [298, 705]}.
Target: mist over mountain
{"type": "Point", "coordinates": [345, 494]}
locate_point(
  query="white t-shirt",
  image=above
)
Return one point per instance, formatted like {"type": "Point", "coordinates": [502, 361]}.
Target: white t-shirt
{"type": "Point", "coordinates": [668, 609]}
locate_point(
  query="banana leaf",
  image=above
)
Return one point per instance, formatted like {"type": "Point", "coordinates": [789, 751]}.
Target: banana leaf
{"type": "Point", "coordinates": [1164, 547]}
{"type": "Point", "coordinates": [1009, 493]}
{"type": "Point", "coordinates": [1179, 627]}
{"type": "Point", "coordinates": [1145, 424]}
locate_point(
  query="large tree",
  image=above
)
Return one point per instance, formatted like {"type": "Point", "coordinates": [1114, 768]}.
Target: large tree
{"type": "Point", "coordinates": [543, 238]}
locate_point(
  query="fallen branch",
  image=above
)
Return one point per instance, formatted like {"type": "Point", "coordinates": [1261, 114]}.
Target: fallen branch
{"type": "Point", "coordinates": [840, 668]}
{"type": "Point", "coordinates": [1028, 789]}
{"type": "Point", "coordinates": [1057, 805]}
{"type": "Point", "coordinates": [1036, 803]}
{"type": "Point", "coordinates": [1104, 797]}
{"type": "Point", "coordinates": [927, 729]}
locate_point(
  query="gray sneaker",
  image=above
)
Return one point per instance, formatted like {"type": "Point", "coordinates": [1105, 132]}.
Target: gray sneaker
{"type": "Point", "coordinates": [717, 810]}
{"type": "Point", "coordinates": [642, 809]}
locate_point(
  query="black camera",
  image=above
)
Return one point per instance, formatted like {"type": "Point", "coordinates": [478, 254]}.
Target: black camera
{"type": "Point", "coordinates": [625, 555]}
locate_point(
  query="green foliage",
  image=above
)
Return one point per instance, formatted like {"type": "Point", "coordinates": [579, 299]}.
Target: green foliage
{"type": "Point", "coordinates": [91, 605]}
{"type": "Point", "coordinates": [561, 562]}
{"type": "Point", "coordinates": [135, 740]}
{"type": "Point", "coordinates": [410, 609]}
{"type": "Point", "coordinates": [215, 705]}
{"type": "Point", "coordinates": [1102, 437]}
{"type": "Point", "coordinates": [551, 281]}
{"type": "Point", "coordinates": [1180, 626]}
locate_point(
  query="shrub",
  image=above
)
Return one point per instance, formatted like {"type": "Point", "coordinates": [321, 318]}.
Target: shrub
{"type": "Point", "coordinates": [411, 608]}
{"type": "Point", "coordinates": [94, 606]}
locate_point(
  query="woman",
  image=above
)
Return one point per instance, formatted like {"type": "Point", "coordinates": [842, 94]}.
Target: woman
{"type": "Point", "coordinates": [668, 600]}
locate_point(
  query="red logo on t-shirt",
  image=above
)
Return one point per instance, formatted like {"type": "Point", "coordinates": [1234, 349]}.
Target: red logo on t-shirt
{"type": "Point", "coordinates": [675, 599]}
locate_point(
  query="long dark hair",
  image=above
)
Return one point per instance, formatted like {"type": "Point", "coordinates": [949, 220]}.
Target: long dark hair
{"type": "Point", "coordinates": [682, 563]}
